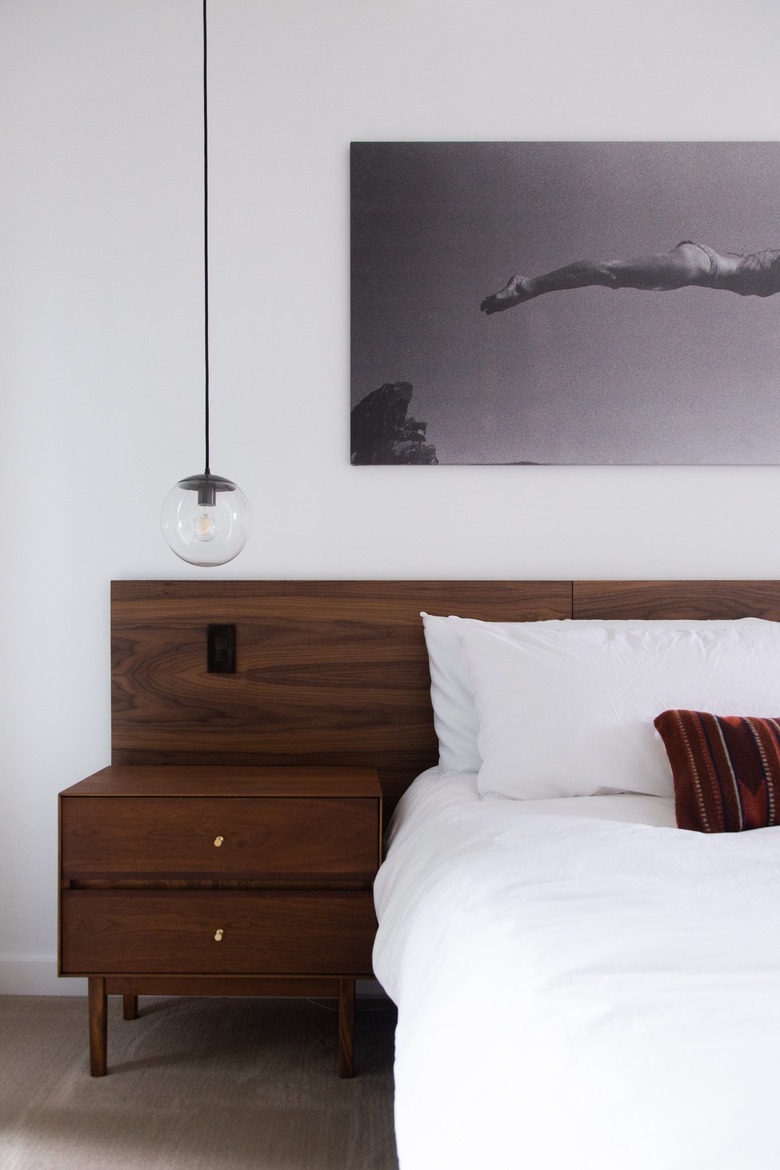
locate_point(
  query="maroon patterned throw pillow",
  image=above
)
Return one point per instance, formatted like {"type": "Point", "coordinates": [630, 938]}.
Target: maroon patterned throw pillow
{"type": "Point", "coordinates": [726, 770]}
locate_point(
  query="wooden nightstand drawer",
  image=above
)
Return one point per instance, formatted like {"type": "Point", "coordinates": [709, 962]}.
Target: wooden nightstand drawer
{"type": "Point", "coordinates": [225, 837]}
{"type": "Point", "coordinates": [219, 880]}
{"type": "Point", "coordinates": [287, 932]}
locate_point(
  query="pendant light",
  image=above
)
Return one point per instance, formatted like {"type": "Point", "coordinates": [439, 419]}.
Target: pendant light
{"type": "Point", "coordinates": [206, 518]}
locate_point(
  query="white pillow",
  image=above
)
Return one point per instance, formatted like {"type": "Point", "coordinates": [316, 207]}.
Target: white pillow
{"type": "Point", "coordinates": [569, 712]}
{"type": "Point", "coordinates": [454, 714]}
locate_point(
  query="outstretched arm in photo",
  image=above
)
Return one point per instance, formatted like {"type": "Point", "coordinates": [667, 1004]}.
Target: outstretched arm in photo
{"type": "Point", "coordinates": [686, 265]}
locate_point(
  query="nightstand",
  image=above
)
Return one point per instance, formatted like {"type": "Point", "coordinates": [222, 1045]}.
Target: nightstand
{"type": "Point", "coordinates": [219, 881]}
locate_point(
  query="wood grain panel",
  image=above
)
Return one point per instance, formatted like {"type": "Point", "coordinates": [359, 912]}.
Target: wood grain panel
{"type": "Point", "coordinates": [262, 932]}
{"type": "Point", "coordinates": [227, 780]}
{"type": "Point", "coordinates": [227, 838]}
{"type": "Point", "coordinates": [676, 599]}
{"type": "Point", "coordinates": [334, 672]}
{"type": "Point", "coordinates": [274, 985]}
{"type": "Point", "coordinates": [328, 672]}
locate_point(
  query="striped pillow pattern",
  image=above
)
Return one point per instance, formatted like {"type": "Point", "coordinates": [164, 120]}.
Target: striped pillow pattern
{"type": "Point", "coordinates": [726, 770]}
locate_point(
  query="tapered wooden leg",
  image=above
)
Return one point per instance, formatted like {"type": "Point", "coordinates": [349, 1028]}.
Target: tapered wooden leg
{"type": "Point", "coordinates": [130, 1007]}
{"type": "Point", "coordinates": [98, 1026]}
{"type": "Point", "coordinates": [346, 1027]}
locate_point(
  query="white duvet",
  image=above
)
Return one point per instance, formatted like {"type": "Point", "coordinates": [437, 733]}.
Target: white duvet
{"type": "Point", "coordinates": [580, 984]}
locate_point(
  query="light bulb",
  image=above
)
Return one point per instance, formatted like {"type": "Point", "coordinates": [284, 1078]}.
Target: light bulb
{"type": "Point", "coordinates": [205, 528]}
{"type": "Point", "coordinates": [205, 519]}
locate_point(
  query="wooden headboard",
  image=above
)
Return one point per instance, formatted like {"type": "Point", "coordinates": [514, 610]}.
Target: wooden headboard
{"type": "Point", "coordinates": [334, 672]}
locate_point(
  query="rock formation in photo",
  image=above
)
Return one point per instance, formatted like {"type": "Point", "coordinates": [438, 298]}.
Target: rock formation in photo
{"type": "Point", "coordinates": [381, 431]}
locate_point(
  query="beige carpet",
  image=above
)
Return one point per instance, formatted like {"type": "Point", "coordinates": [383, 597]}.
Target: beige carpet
{"type": "Point", "coordinates": [194, 1084]}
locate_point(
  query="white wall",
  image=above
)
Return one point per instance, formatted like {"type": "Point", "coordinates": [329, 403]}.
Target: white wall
{"type": "Point", "coordinates": [100, 324]}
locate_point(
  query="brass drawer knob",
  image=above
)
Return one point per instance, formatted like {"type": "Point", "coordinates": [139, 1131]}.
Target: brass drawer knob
{"type": "Point", "coordinates": [218, 841]}
{"type": "Point", "coordinates": [218, 935]}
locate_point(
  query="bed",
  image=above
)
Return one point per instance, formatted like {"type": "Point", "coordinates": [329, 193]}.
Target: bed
{"type": "Point", "coordinates": [580, 982]}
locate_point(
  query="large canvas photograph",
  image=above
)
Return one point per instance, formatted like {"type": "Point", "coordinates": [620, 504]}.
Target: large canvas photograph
{"type": "Point", "coordinates": [565, 303]}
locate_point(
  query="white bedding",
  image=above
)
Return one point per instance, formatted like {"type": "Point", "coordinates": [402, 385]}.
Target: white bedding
{"type": "Point", "coordinates": [579, 983]}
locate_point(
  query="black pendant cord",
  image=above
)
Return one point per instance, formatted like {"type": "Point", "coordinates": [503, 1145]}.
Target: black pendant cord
{"type": "Point", "coordinates": [206, 228]}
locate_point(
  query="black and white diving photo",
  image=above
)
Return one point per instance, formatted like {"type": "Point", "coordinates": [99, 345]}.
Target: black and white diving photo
{"type": "Point", "coordinates": [565, 303]}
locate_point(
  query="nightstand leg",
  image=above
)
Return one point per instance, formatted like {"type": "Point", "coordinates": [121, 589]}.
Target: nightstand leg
{"type": "Point", "coordinates": [98, 1026]}
{"type": "Point", "coordinates": [130, 1007]}
{"type": "Point", "coordinates": [346, 1027]}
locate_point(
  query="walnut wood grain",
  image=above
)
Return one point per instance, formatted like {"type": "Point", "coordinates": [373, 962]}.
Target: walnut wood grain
{"type": "Point", "coordinates": [272, 839]}
{"type": "Point", "coordinates": [676, 599]}
{"type": "Point", "coordinates": [98, 1030]}
{"type": "Point", "coordinates": [332, 673]}
{"type": "Point", "coordinates": [309, 932]}
{"type": "Point", "coordinates": [218, 881]}
{"type": "Point", "coordinates": [346, 1027]}
{"type": "Point", "coordinates": [241, 985]}
{"type": "Point", "coordinates": [226, 780]}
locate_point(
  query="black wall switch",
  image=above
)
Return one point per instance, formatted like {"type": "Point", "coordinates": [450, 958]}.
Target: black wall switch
{"type": "Point", "coordinates": [221, 649]}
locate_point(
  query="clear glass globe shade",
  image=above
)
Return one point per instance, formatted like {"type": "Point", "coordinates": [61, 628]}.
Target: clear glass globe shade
{"type": "Point", "coordinates": [206, 520]}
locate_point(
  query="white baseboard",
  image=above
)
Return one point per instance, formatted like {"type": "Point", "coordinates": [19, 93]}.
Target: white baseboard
{"type": "Point", "coordinates": [39, 977]}
{"type": "Point", "coordinates": [19, 976]}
